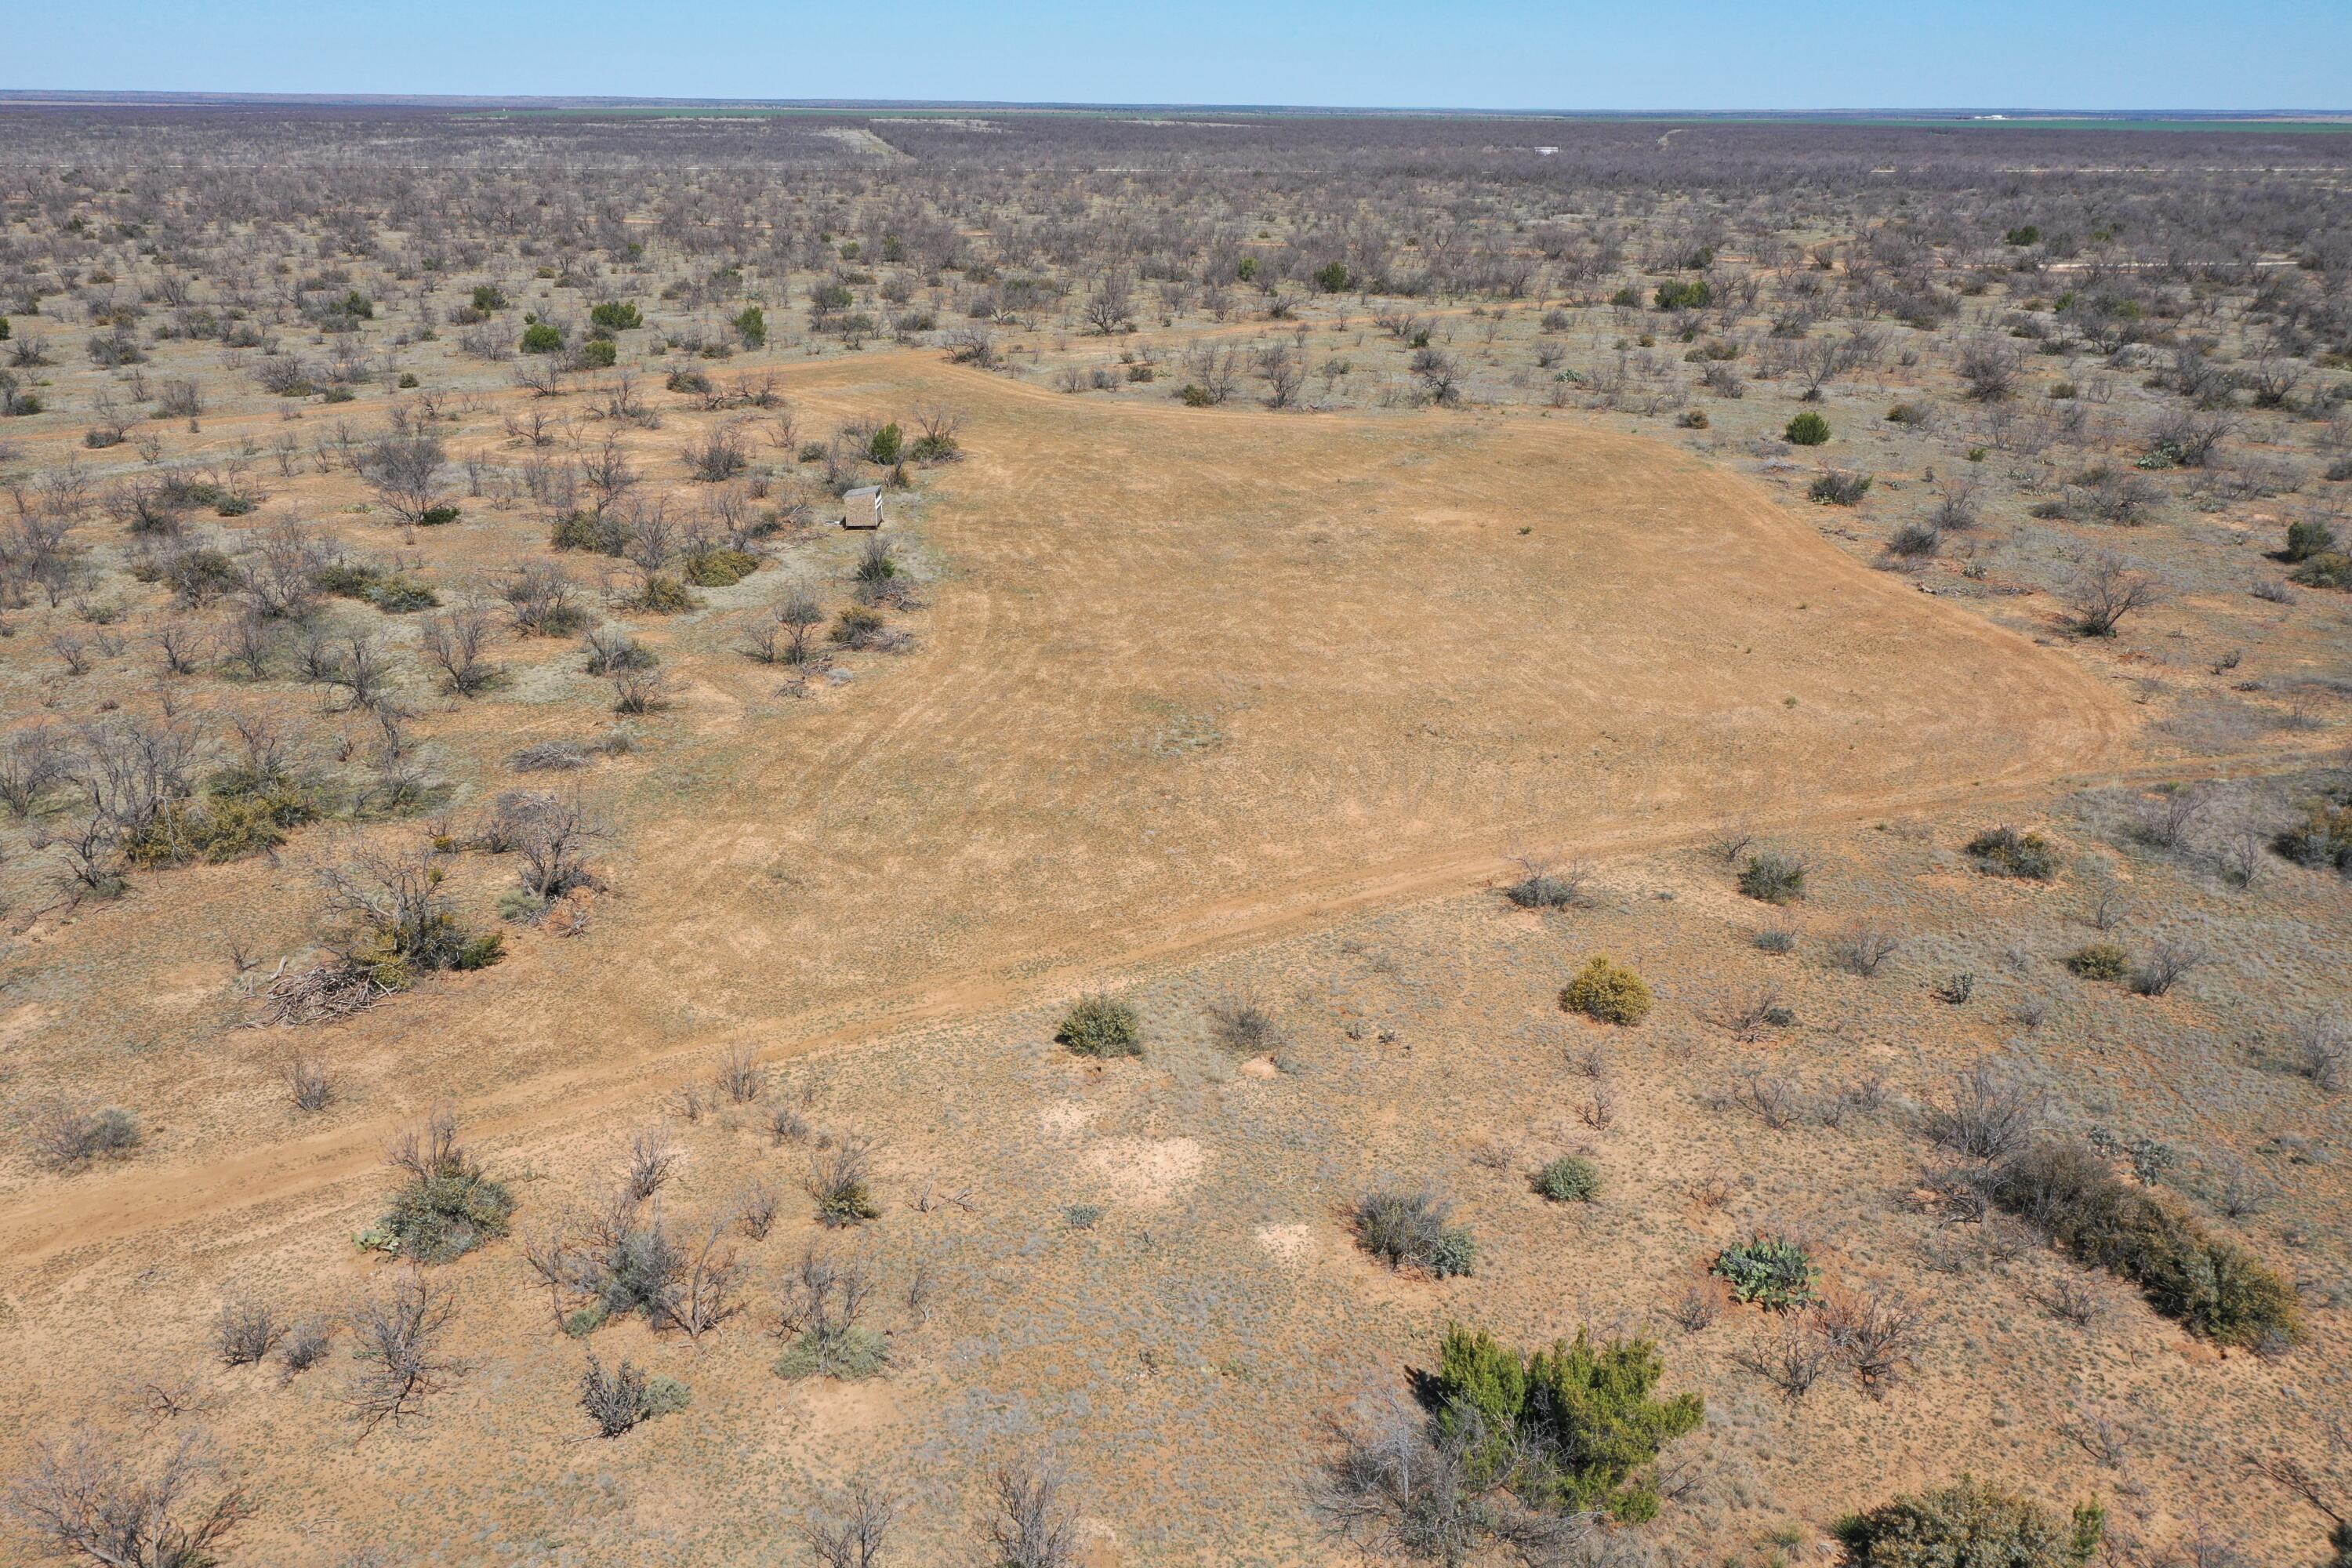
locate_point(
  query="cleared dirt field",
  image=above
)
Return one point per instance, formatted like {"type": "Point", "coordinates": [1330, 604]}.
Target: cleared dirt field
{"type": "Point", "coordinates": [1184, 678]}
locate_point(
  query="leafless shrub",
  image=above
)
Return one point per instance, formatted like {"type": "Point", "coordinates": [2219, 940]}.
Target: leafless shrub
{"type": "Point", "coordinates": [653, 1161]}
{"type": "Point", "coordinates": [457, 641]}
{"type": "Point", "coordinates": [2323, 1052]}
{"type": "Point", "coordinates": [164, 1399]}
{"type": "Point", "coordinates": [1399, 1486]}
{"type": "Point", "coordinates": [617, 1401]}
{"type": "Point", "coordinates": [2170, 820]}
{"type": "Point", "coordinates": [91, 1502]}
{"type": "Point", "coordinates": [2323, 1483]}
{"type": "Point", "coordinates": [1545, 884]}
{"type": "Point", "coordinates": [1863, 947]}
{"type": "Point", "coordinates": [2103, 591]}
{"type": "Point", "coordinates": [1245, 1024]}
{"type": "Point", "coordinates": [1988, 369]}
{"type": "Point", "coordinates": [1832, 1105]}
{"type": "Point", "coordinates": [383, 900]}
{"type": "Point", "coordinates": [1756, 1011]}
{"type": "Point", "coordinates": [304, 1347]}
{"type": "Point", "coordinates": [706, 1290]}
{"type": "Point", "coordinates": [431, 1149]}
{"type": "Point", "coordinates": [973, 344]}
{"type": "Point", "coordinates": [359, 666]}
{"type": "Point", "coordinates": [180, 646]}
{"type": "Point", "coordinates": [2190, 440]}
{"type": "Point", "coordinates": [2167, 963]}
{"type": "Point", "coordinates": [68, 1139]}
{"type": "Point", "coordinates": [1769, 1097]}
{"type": "Point", "coordinates": [2242, 856]}
{"type": "Point", "coordinates": [246, 1332]}
{"type": "Point", "coordinates": [32, 763]}
{"type": "Point", "coordinates": [1031, 1527]}
{"type": "Point", "coordinates": [756, 1208]}
{"type": "Point", "coordinates": [2241, 1192]}
{"type": "Point", "coordinates": [852, 1531]}
{"type": "Point", "coordinates": [824, 1296]}
{"type": "Point", "coordinates": [611, 649]}
{"type": "Point", "coordinates": [1991, 1114]}
{"type": "Point", "coordinates": [615, 1258]}
{"type": "Point", "coordinates": [639, 691]}
{"type": "Point", "coordinates": [1698, 1306]}
{"type": "Point", "coordinates": [797, 615]}
{"type": "Point", "coordinates": [936, 428]}
{"type": "Point", "coordinates": [1790, 1352]}
{"type": "Point", "coordinates": [247, 641]}
{"type": "Point", "coordinates": [1879, 1332]}
{"type": "Point", "coordinates": [720, 456]}
{"type": "Point", "coordinates": [2094, 1433]}
{"type": "Point", "coordinates": [1913, 543]}
{"type": "Point", "coordinates": [2071, 1298]}
{"type": "Point", "coordinates": [398, 1350]}
{"type": "Point", "coordinates": [543, 600]}
{"type": "Point", "coordinates": [740, 1077]}
{"type": "Point", "coordinates": [1955, 510]}
{"type": "Point", "coordinates": [1283, 370]}
{"type": "Point", "coordinates": [2272, 590]}
{"type": "Point", "coordinates": [1709, 1193]}
{"type": "Point", "coordinates": [1961, 1195]}
{"type": "Point", "coordinates": [552, 840]}
{"type": "Point", "coordinates": [405, 472]}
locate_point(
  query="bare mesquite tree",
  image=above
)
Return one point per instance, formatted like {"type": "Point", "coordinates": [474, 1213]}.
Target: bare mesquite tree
{"type": "Point", "coordinates": [397, 1334]}
{"type": "Point", "coordinates": [852, 1531]}
{"type": "Point", "coordinates": [405, 472]}
{"type": "Point", "coordinates": [91, 1502]}
{"type": "Point", "coordinates": [456, 642]}
{"type": "Point", "coordinates": [2104, 590]}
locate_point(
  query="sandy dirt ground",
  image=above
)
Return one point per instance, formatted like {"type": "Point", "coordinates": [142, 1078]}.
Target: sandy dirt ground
{"type": "Point", "coordinates": [1196, 705]}
{"type": "Point", "coordinates": [1180, 680]}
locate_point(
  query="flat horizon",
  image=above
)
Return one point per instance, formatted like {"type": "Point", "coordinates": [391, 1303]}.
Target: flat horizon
{"type": "Point", "coordinates": [1963, 111]}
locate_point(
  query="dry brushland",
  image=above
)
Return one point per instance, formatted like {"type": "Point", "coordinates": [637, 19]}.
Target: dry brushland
{"type": "Point", "coordinates": [1637, 852]}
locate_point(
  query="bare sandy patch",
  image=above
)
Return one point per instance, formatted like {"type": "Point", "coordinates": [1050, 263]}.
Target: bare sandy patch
{"type": "Point", "coordinates": [1145, 1173]}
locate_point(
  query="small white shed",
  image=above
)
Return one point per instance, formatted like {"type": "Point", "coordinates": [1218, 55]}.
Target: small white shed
{"type": "Point", "coordinates": [862, 508]}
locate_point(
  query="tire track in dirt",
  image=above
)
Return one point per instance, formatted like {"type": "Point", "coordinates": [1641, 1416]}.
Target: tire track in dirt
{"type": "Point", "coordinates": [144, 1200]}
{"type": "Point", "coordinates": [976, 664]}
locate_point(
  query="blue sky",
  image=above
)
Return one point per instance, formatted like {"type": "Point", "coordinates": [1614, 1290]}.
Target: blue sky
{"type": "Point", "coordinates": [1697, 54]}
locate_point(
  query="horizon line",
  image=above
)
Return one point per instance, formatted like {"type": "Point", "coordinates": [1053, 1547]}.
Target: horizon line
{"type": "Point", "coordinates": [88, 96]}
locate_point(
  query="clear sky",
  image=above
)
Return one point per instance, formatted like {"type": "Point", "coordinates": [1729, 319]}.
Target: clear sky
{"type": "Point", "coordinates": [1498, 54]}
